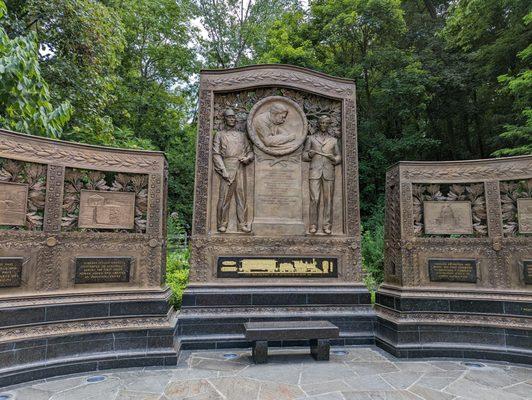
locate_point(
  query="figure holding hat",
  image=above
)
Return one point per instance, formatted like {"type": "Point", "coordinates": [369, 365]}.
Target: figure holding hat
{"type": "Point", "coordinates": [231, 152]}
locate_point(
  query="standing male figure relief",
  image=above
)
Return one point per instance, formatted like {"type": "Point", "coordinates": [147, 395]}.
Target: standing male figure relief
{"type": "Point", "coordinates": [231, 152]}
{"type": "Point", "coordinates": [322, 151]}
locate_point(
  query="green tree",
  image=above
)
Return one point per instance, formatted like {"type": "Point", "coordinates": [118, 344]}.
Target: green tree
{"type": "Point", "coordinates": [234, 29]}
{"type": "Point", "coordinates": [24, 95]}
{"type": "Point", "coordinates": [80, 46]}
{"type": "Point", "coordinates": [520, 87]}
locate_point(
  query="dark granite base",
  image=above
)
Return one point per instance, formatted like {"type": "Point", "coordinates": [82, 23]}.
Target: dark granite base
{"type": "Point", "coordinates": [455, 341]}
{"type": "Point", "coordinates": [214, 317]}
{"type": "Point", "coordinates": [97, 362]}
{"type": "Point", "coordinates": [54, 339]}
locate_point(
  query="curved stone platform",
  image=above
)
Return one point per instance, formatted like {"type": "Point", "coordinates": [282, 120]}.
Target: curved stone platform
{"type": "Point", "coordinates": [361, 373]}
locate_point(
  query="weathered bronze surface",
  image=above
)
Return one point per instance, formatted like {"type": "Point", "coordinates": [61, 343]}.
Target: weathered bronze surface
{"type": "Point", "coordinates": [453, 270]}
{"type": "Point", "coordinates": [10, 271]}
{"type": "Point", "coordinates": [231, 152]}
{"type": "Point", "coordinates": [448, 217]}
{"type": "Point", "coordinates": [277, 267]}
{"type": "Point", "coordinates": [301, 126]}
{"type": "Point", "coordinates": [323, 153]}
{"type": "Point", "coordinates": [102, 269]}
{"type": "Point", "coordinates": [524, 207]}
{"type": "Point", "coordinates": [127, 218]}
{"type": "Point", "coordinates": [277, 125]}
{"type": "Point", "coordinates": [13, 203]}
{"type": "Point", "coordinates": [106, 210]}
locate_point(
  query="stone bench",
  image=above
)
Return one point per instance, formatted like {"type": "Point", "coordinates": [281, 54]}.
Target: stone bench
{"type": "Point", "coordinates": [318, 332]}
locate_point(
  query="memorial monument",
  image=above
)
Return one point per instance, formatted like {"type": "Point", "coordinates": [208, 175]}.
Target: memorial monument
{"type": "Point", "coordinates": [458, 260]}
{"type": "Point", "coordinates": [82, 259]}
{"type": "Point", "coordinates": [276, 230]}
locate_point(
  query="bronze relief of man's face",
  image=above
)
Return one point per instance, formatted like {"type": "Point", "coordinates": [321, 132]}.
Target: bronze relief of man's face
{"type": "Point", "coordinates": [230, 120]}
{"type": "Point", "coordinates": [279, 117]}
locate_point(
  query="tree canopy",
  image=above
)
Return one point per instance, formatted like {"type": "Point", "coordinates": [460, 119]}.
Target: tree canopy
{"type": "Point", "coordinates": [436, 79]}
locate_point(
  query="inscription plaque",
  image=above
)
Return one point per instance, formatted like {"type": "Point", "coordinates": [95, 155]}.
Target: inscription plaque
{"type": "Point", "coordinates": [106, 210]}
{"type": "Point", "coordinates": [448, 217]}
{"type": "Point", "coordinates": [527, 271]}
{"type": "Point", "coordinates": [10, 271]}
{"type": "Point", "coordinates": [278, 194]}
{"type": "Point", "coordinates": [102, 269]}
{"type": "Point", "coordinates": [450, 270]}
{"type": "Point", "coordinates": [277, 267]}
{"type": "Point", "coordinates": [524, 215]}
{"type": "Point", "coordinates": [13, 202]}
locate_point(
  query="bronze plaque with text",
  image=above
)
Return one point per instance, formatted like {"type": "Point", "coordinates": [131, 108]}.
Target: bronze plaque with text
{"type": "Point", "coordinates": [527, 271]}
{"type": "Point", "coordinates": [10, 271]}
{"type": "Point", "coordinates": [524, 215]}
{"type": "Point", "coordinates": [448, 217]}
{"type": "Point", "coordinates": [102, 269]}
{"type": "Point", "coordinates": [13, 202]}
{"type": "Point", "coordinates": [277, 267]}
{"type": "Point", "coordinates": [450, 270]}
{"type": "Point", "coordinates": [106, 210]}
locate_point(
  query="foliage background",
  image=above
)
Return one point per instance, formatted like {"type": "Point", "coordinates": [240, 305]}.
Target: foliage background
{"type": "Point", "coordinates": [436, 79]}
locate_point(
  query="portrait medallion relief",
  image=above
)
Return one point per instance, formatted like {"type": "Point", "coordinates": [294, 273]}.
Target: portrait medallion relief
{"type": "Point", "coordinates": [277, 125]}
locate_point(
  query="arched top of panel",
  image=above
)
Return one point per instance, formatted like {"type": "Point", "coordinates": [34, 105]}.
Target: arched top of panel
{"type": "Point", "coordinates": [277, 75]}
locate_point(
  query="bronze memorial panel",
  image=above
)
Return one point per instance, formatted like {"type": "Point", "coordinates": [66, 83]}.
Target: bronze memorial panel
{"type": "Point", "coordinates": [102, 269]}
{"type": "Point", "coordinates": [450, 270]}
{"type": "Point", "coordinates": [524, 214]}
{"type": "Point", "coordinates": [277, 267]}
{"type": "Point", "coordinates": [10, 271]}
{"type": "Point", "coordinates": [106, 210]}
{"type": "Point", "coordinates": [448, 217]}
{"type": "Point", "coordinates": [527, 271]}
{"type": "Point", "coordinates": [13, 202]}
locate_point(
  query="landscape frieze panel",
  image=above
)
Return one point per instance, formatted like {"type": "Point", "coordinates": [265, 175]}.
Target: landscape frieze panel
{"type": "Point", "coordinates": [27, 181]}
{"type": "Point", "coordinates": [468, 192]}
{"type": "Point", "coordinates": [516, 206]}
{"type": "Point", "coordinates": [127, 193]}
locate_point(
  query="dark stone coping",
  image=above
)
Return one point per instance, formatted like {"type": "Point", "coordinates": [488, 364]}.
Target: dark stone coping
{"type": "Point", "coordinates": [471, 353]}
{"type": "Point", "coordinates": [27, 360]}
{"type": "Point", "coordinates": [458, 341]}
{"type": "Point", "coordinates": [100, 362]}
{"type": "Point", "coordinates": [18, 316]}
{"type": "Point", "coordinates": [290, 330]}
{"type": "Point", "coordinates": [288, 296]}
{"type": "Point", "coordinates": [410, 304]}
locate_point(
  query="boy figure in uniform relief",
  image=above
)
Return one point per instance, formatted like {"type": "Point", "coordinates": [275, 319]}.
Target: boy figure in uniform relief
{"type": "Point", "coordinates": [231, 152]}
{"type": "Point", "coordinates": [323, 153]}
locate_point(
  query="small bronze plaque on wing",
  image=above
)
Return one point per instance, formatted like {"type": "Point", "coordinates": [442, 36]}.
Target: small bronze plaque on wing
{"type": "Point", "coordinates": [527, 271]}
{"type": "Point", "coordinates": [10, 271]}
{"type": "Point", "coordinates": [102, 269]}
{"type": "Point", "coordinates": [277, 267]}
{"type": "Point", "coordinates": [453, 270]}
{"type": "Point", "coordinates": [448, 217]}
{"type": "Point", "coordinates": [106, 210]}
{"type": "Point", "coordinates": [13, 202]}
{"type": "Point", "coordinates": [524, 215]}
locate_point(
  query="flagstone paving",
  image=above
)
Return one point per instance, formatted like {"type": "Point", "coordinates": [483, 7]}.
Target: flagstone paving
{"type": "Point", "coordinates": [364, 373]}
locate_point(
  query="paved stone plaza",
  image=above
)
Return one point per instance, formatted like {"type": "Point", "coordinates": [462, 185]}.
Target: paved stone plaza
{"type": "Point", "coordinates": [364, 373]}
